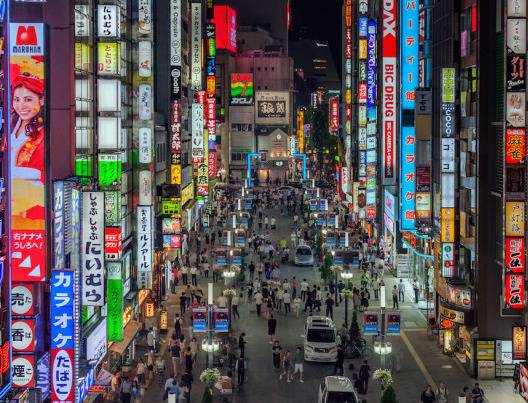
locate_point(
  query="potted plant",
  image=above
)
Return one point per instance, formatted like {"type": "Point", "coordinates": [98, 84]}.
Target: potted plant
{"type": "Point", "coordinates": [384, 377]}
{"type": "Point", "coordinates": [209, 376]}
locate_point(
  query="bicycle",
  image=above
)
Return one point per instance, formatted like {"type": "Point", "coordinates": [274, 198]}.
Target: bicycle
{"type": "Point", "coordinates": [360, 349]}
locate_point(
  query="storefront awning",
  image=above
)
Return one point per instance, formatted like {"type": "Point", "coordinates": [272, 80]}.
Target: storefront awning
{"type": "Point", "coordinates": [129, 333]}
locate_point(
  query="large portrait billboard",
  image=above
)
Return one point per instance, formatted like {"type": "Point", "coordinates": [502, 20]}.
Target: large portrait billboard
{"type": "Point", "coordinates": [27, 145]}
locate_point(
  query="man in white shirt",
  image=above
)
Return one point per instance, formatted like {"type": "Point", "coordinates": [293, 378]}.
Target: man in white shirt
{"type": "Point", "coordinates": [184, 271]}
{"type": "Point", "coordinates": [234, 306]}
{"type": "Point", "coordinates": [287, 301]}
{"type": "Point", "coordinates": [304, 288]}
{"type": "Point", "coordinates": [193, 272]}
{"type": "Point", "coordinates": [258, 301]}
{"type": "Point", "coordinates": [401, 291]}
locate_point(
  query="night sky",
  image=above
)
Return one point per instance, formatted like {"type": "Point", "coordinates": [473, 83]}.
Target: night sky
{"type": "Point", "coordinates": [322, 18]}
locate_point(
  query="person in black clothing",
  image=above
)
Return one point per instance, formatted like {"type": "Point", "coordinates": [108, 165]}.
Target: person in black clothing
{"type": "Point", "coordinates": [272, 326]}
{"type": "Point", "coordinates": [183, 303]}
{"type": "Point", "coordinates": [329, 306]}
{"type": "Point", "coordinates": [252, 269]}
{"type": "Point", "coordinates": [242, 344]}
{"type": "Point", "coordinates": [338, 368]}
{"type": "Point", "coordinates": [187, 380]}
{"type": "Point", "coordinates": [241, 369]}
{"type": "Point", "coordinates": [364, 375]}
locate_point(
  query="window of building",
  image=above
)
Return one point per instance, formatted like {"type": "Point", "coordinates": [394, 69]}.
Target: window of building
{"type": "Point", "coordinates": [239, 156]}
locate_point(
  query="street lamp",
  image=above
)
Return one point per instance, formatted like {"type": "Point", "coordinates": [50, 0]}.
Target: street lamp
{"type": "Point", "coordinates": [347, 275]}
{"type": "Point", "coordinates": [382, 347]}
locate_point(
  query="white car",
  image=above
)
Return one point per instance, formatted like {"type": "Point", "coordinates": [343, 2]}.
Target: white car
{"type": "Point", "coordinates": [337, 389]}
{"type": "Point", "coordinates": [320, 341]}
{"type": "Point", "coordinates": [303, 256]}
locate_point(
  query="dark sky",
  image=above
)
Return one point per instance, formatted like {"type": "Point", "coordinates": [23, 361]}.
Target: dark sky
{"type": "Point", "coordinates": [322, 18]}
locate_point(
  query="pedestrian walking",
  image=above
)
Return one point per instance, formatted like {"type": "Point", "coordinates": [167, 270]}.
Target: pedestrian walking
{"type": "Point", "coordinates": [194, 348]}
{"type": "Point", "coordinates": [298, 364]}
{"type": "Point", "coordinates": [184, 271]}
{"type": "Point", "coordinates": [140, 371]}
{"type": "Point", "coordinates": [428, 395]}
{"type": "Point", "coordinates": [234, 305]}
{"type": "Point", "coordinates": [286, 366]}
{"type": "Point", "coordinates": [242, 344]}
{"type": "Point", "coordinates": [287, 301]}
{"type": "Point", "coordinates": [329, 302]}
{"type": "Point", "coordinates": [240, 368]}
{"type": "Point", "coordinates": [304, 289]}
{"type": "Point", "coordinates": [442, 393]}
{"type": "Point", "coordinates": [395, 304]}
{"type": "Point", "coordinates": [376, 287]}
{"type": "Point", "coordinates": [364, 375]}
{"type": "Point", "coordinates": [183, 304]}
{"type": "Point", "coordinates": [338, 368]}
{"type": "Point", "coordinates": [175, 358]}
{"type": "Point", "coordinates": [276, 351]}
{"type": "Point", "coordinates": [177, 326]}
{"type": "Point", "coordinates": [296, 306]}
{"type": "Point", "coordinates": [272, 327]}
{"type": "Point", "coordinates": [416, 289]}
{"type": "Point", "coordinates": [258, 301]}
{"type": "Point", "coordinates": [194, 280]}
{"type": "Point", "coordinates": [188, 360]}
{"type": "Point", "coordinates": [401, 291]}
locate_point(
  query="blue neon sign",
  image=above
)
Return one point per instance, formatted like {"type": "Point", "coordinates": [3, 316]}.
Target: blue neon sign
{"type": "Point", "coordinates": [408, 180]}
{"type": "Point", "coordinates": [409, 82]}
{"type": "Point", "coordinates": [371, 64]}
{"type": "Point", "coordinates": [409, 53]}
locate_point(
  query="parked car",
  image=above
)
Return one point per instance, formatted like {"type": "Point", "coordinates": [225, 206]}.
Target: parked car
{"type": "Point", "coordinates": [320, 342]}
{"type": "Point", "coordinates": [303, 256]}
{"type": "Point", "coordinates": [337, 389]}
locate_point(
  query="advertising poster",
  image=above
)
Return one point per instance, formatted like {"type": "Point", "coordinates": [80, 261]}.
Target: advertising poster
{"type": "Point", "coordinates": [242, 89]}
{"type": "Point", "coordinates": [115, 301]}
{"type": "Point", "coordinates": [221, 319]}
{"type": "Point", "coordinates": [515, 225]}
{"type": "Point", "coordinates": [144, 239]}
{"type": "Point", "coordinates": [272, 107]}
{"type": "Point", "coordinates": [514, 257]}
{"type": "Point", "coordinates": [27, 150]}
{"type": "Point", "coordinates": [514, 287]}
{"type": "Point", "coordinates": [393, 323]}
{"type": "Point", "coordinates": [519, 343]}
{"type": "Point", "coordinates": [370, 323]}
{"type": "Point", "coordinates": [199, 315]}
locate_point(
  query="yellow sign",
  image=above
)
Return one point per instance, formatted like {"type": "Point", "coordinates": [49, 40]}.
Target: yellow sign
{"type": "Point", "coordinates": [362, 48]}
{"type": "Point", "coordinates": [164, 320]}
{"type": "Point", "coordinates": [300, 130]}
{"type": "Point", "coordinates": [514, 218]}
{"type": "Point", "coordinates": [485, 350]}
{"type": "Point", "coordinates": [176, 174]}
{"type": "Point", "coordinates": [149, 309]}
{"type": "Point", "coordinates": [83, 60]}
{"type": "Point", "coordinates": [452, 315]}
{"type": "Point", "coordinates": [348, 96]}
{"type": "Point", "coordinates": [187, 193]}
{"type": "Point", "coordinates": [108, 58]}
{"type": "Point", "coordinates": [448, 225]}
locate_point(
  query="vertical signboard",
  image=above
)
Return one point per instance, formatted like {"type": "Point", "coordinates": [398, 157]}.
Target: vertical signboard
{"type": "Point", "coordinates": [389, 97]}
{"type": "Point", "coordinates": [197, 127]}
{"type": "Point", "coordinates": [300, 130]}
{"type": "Point", "coordinates": [196, 46]}
{"type": "Point", "coordinates": [334, 115]}
{"type": "Point", "coordinates": [62, 302]}
{"type": "Point", "coordinates": [115, 301]}
{"type": "Point", "coordinates": [93, 259]}
{"type": "Point", "coordinates": [448, 168]}
{"type": "Point", "coordinates": [27, 151]}
{"type": "Point", "coordinates": [144, 239]}
{"type": "Point", "coordinates": [514, 143]}
{"type": "Point", "coordinates": [408, 84]}
{"type": "Point", "coordinates": [371, 112]}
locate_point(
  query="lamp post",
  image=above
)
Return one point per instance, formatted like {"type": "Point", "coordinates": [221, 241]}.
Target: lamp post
{"type": "Point", "coordinates": [346, 275]}
{"type": "Point", "coordinates": [210, 346]}
{"type": "Point", "coordinates": [335, 269]}
{"type": "Point", "coordinates": [382, 347]}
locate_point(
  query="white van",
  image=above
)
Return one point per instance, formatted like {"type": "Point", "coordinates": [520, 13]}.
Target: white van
{"type": "Point", "coordinates": [337, 389]}
{"type": "Point", "coordinates": [320, 339]}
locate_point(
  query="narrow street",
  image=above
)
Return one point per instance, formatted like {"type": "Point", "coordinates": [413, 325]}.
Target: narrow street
{"type": "Point", "coordinates": [416, 360]}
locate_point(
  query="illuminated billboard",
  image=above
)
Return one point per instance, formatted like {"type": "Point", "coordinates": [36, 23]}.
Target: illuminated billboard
{"type": "Point", "coordinates": [408, 83]}
{"type": "Point", "coordinates": [27, 152]}
{"type": "Point", "coordinates": [388, 101]}
{"type": "Point", "coordinates": [272, 107]}
{"type": "Point", "coordinates": [242, 89]}
{"type": "Point", "coordinates": [225, 19]}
